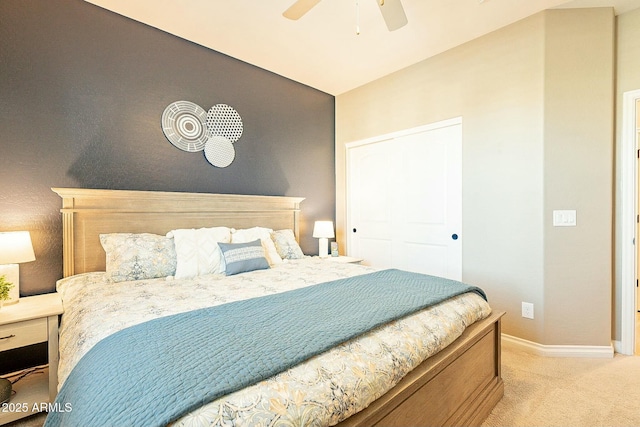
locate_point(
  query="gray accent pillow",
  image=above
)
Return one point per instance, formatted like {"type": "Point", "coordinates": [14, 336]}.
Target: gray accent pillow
{"type": "Point", "coordinates": [243, 257]}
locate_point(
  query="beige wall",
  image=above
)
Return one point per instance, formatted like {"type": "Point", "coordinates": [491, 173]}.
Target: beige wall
{"type": "Point", "coordinates": [498, 84]}
{"type": "Point", "coordinates": [578, 174]}
{"type": "Point", "coordinates": [627, 79]}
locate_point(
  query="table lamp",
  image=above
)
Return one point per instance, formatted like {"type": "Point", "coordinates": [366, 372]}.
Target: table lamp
{"type": "Point", "coordinates": [323, 230]}
{"type": "Point", "coordinates": [15, 247]}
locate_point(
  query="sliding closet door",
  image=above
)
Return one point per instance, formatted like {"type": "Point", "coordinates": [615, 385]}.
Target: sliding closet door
{"type": "Point", "coordinates": [373, 183]}
{"type": "Point", "coordinates": [404, 201]}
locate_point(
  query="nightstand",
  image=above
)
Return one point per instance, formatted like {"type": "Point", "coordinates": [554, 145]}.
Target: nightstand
{"type": "Point", "coordinates": [344, 259]}
{"type": "Point", "coordinates": [30, 321]}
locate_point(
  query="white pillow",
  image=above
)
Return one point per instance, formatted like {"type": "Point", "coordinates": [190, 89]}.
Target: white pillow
{"type": "Point", "coordinates": [197, 250]}
{"type": "Point", "coordinates": [264, 234]}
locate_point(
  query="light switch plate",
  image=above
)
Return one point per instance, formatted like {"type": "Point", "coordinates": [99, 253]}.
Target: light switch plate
{"type": "Point", "coordinates": [564, 218]}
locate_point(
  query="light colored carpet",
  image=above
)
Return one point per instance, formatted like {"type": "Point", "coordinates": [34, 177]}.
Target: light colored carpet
{"type": "Point", "coordinates": [32, 421]}
{"type": "Point", "coordinates": [543, 391]}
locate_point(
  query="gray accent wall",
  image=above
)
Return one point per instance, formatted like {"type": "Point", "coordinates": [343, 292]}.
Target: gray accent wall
{"type": "Point", "coordinates": [82, 91]}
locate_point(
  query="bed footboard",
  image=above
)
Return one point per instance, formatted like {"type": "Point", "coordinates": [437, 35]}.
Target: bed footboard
{"type": "Point", "coordinates": [458, 386]}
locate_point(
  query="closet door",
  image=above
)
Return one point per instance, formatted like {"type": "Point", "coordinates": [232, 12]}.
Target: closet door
{"type": "Point", "coordinates": [373, 182]}
{"type": "Point", "coordinates": [404, 201]}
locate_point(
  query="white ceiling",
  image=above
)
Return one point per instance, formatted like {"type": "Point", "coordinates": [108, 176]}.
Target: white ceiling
{"type": "Point", "coordinates": [322, 49]}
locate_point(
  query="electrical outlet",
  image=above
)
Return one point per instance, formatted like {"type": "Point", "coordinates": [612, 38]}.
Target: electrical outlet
{"type": "Point", "coordinates": [527, 310]}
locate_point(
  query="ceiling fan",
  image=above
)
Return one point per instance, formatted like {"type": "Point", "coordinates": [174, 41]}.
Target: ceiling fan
{"type": "Point", "coordinates": [392, 11]}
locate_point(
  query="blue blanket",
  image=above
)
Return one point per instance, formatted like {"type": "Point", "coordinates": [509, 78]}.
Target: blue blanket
{"type": "Point", "coordinates": [155, 372]}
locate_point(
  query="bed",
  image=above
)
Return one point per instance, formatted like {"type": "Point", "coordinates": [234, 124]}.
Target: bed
{"type": "Point", "coordinates": [451, 378]}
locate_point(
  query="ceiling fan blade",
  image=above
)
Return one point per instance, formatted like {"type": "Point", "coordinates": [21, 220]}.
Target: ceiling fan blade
{"type": "Point", "coordinates": [299, 8]}
{"type": "Point", "coordinates": [393, 13]}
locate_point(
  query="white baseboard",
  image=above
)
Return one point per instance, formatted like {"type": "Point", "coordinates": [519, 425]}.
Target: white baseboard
{"type": "Point", "coordinates": [592, 351]}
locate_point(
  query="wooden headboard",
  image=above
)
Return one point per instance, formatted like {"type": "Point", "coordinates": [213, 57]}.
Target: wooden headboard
{"type": "Point", "coordinates": [87, 213]}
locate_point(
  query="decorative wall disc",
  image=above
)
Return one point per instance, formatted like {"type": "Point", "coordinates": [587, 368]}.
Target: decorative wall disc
{"type": "Point", "coordinates": [219, 151]}
{"type": "Point", "coordinates": [188, 127]}
{"type": "Point", "coordinates": [224, 120]}
{"type": "Point", "coordinates": [185, 126]}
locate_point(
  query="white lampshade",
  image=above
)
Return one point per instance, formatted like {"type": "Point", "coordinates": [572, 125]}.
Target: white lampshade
{"type": "Point", "coordinates": [15, 248]}
{"type": "Point", "coordinates": [323, 230]}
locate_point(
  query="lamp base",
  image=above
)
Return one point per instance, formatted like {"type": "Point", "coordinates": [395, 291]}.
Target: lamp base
{"type": "Point", "coordinates": [11, 273]}
{"type": "Point", "coordinates": [323, 248]}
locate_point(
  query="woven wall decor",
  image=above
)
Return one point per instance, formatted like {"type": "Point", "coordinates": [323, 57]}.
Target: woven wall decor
{"type": "Point", "coordinates": [188, 127]}
{"type": "Point", "coordinates": [184, 125]}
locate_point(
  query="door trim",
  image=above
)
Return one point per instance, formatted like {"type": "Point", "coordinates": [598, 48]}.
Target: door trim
{"type": "Point", "coordinates": [437, 125]}
{"type": "Point", "coordinates": [628, 215]}
{"type": "Point", "coordinates": [372, 140]}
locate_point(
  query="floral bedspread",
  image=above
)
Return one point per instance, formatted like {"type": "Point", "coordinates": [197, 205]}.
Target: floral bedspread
{"type": "Point", "coordinates": [322, 391]}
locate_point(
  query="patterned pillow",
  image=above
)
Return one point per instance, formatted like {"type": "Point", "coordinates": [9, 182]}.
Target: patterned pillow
{"type": "Point", "coordinates": [243, 257]}
{"type": "Point", "coordinates": [286, 244]}
{"type": "Point", "coordinates": [138, 256]}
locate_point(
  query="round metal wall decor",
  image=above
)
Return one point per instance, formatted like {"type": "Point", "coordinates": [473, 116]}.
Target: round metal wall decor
{"type": "Point", "coordinates": [224, 120]}
{"type": "Point", "coordinates": [188, 127]}
{"type": "Point", "coordinates": [219, 151]}
{"type": "Point", "coordinates": [184, 124]}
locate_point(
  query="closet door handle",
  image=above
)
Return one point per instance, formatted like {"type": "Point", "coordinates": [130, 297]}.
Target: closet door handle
{"type": "Point", "coordinates": [454, 236]}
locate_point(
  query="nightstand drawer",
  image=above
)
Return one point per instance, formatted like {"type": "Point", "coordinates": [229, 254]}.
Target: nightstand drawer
{"type": "Point", "coordinates": [21, 334]}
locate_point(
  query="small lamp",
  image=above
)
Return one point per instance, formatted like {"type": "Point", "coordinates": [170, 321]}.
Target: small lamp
{"type": "Point", "coordinates": [15, 247]}
{"type": "Point", "coordinates": [323, 230]}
